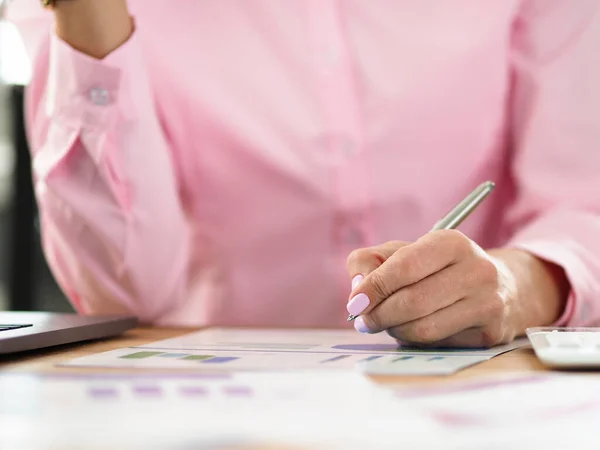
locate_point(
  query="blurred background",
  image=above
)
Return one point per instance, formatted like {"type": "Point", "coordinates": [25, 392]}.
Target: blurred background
{"type": "Point", "coordinates": [25, 280]}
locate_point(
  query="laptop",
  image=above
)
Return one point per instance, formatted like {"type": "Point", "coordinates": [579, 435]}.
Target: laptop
{"type": "Point", "coordinates": [22, 331]}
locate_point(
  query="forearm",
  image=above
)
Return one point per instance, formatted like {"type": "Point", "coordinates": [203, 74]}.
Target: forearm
{"type": "Point", "coordinates": [94, 27]}
{"type": "Point", "coordinates": [542, 288]}
{"type": "Point", "coordinates": [115, 231]}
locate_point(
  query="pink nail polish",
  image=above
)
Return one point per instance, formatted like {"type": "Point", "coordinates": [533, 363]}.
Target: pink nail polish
{"type": "Point", "coordinates": [360, 326]}
{"type": "Point", "coordinates": [356, 281]}
{"type": "Point", "coordinates": [358, 304]}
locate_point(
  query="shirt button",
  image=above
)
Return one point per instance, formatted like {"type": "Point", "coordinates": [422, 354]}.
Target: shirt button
{"type": "Point", "coordinates": [99, 96]}
{"type": "Point", "coordinates": [352, 237]}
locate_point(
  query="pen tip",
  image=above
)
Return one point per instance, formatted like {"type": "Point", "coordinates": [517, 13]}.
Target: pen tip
{"type": "Point", "coordinates": [351, 318]}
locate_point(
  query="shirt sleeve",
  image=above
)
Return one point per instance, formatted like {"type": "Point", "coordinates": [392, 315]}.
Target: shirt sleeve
{"type": "Point", "coordinates": [113, 227]}
{"type": "Point", "coordinates": [556, 137]}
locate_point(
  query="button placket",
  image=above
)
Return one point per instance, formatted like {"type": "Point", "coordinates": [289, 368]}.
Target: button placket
{"type": "Point", "coordinates": [343, 133]}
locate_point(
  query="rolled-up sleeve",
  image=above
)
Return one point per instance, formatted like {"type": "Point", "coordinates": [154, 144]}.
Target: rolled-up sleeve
{"type": "Point", "coordinates": [113, 226]}
{"type": "Point", "coordinates": [556, 137]}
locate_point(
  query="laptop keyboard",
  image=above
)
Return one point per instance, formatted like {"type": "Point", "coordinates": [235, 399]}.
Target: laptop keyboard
{"type": "Point", "coordinates": [13, 327]}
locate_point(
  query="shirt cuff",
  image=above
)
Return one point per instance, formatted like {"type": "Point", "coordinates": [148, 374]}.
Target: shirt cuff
{"type": "Point", "coordinates": [86, 92]}
{"type": "Point", "coordinates": [555, 254]}
{"type": "Point", "coordinates": [560, 238]}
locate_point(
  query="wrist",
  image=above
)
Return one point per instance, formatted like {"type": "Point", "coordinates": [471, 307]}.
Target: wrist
{"type": "Point", "coordinates": [93, 27]}
{"type": "Point", "coordinates": [541, 288]}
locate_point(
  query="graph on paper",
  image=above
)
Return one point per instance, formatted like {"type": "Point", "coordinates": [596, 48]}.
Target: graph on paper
{"type": "Point", "coordinates": [154, 390]}
{"type": "Point", "coordinates": [284, 350]}
{"type": "Point", "coordinates": [309, 341]}
{"type": "Point", "coordinates": [251, 360]}
{"type": "Point", "coordinates": [124, 388]}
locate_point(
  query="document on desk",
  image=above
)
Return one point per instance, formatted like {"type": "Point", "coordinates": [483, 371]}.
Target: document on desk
{"type": "Point", "coordinates": [205, 411]}
{"type": "Point", "coordinates": [235, 349]}
{"type": "Point", "coordinates": [304, 410]}
{"type": "Point", "coordinates": [537, 410]}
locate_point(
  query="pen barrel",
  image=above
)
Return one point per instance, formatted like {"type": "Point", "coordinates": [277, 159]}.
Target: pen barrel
{"type": "Point", "coordinates": [461, 211]}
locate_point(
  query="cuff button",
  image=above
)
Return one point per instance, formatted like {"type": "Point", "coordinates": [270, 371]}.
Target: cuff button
{"type": "Point", "coordinates": [99, 96]}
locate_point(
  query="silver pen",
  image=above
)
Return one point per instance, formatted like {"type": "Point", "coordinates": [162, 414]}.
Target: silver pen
{"type": "Point", "coordinates": [460, 212]}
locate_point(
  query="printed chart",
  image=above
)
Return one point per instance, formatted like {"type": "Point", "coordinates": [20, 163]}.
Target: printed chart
{"type": "Point", "coordinates": [311, 408]}
{"type": "Point", "coordinates": [224, 350]}
{"type": "Point", "coordinates": [234, 361]}
{"type": "Point", "coordinates": [307, 341]}
{"type": "Point", "coordinates": [490, 402]}
{"type": "Point", "coordinates": [192, 411]}
{"type": "Point", "coordinates": [71, 389]}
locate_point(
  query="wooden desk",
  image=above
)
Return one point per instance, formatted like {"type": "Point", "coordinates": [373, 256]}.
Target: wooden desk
{"type": "Point", "coordinates": [521, 360]}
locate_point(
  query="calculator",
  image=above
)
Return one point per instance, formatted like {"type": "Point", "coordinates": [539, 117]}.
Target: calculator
{"type": "Point", "coordinates": [566, 347]}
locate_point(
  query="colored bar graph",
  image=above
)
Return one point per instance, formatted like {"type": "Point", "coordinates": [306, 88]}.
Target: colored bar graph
{"type": "Point", "coordinates": [147, 391]}
{"type": "Point", "coordinates": [237, 391]}
{"type": "Point", "coordinates": [141, 355]}
{"type": "Point", "coordinates": [173, 355]}
{"type": "Point", "coordinates": [219, 359]}
{"type": "Point", "coordinates": [193, 391]}
{"type": "Point", "coordinates": [197, 357]}
{"type": "Point", "coordinates": [373, 358]}
{"type": "Point", "coordinates": [103, 392]}
{"type": "Point", "coordinates": [335, 358]}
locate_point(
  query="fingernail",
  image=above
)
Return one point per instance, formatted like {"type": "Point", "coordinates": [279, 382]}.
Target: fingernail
{"type": "Point", "coordinates": [356, 281]}
{"type": "Point", "coordinates": [360, 326]}
{"type": "Point", "coordinates": [358, 304]}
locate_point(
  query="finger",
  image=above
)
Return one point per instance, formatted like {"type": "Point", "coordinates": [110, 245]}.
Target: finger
{"type": "Point", "coordinates": [469, 338]}
{"type": "Point", "coordinates": [472, 312]}
{"type": "Point", "coordinates": [477, 337]}
{"type": "Point", "coordinates": [421, 299]}
{"type": "Point", "coordinates": [408, 265]}
{"type": "Point", "coordinates": [363, 261]}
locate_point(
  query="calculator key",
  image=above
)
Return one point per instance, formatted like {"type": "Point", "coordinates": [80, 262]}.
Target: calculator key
{"type": "Point", "coordinates": [564, 340]}
{"type": "Point", "coordinates": [591, 340]}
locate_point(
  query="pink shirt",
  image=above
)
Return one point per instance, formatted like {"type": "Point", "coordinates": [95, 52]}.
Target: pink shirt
{"type": "Point", "coordinates": [219, 167]}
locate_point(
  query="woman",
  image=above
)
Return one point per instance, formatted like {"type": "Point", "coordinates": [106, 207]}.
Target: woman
{"type": "Point", "coordinates": [216, 162]}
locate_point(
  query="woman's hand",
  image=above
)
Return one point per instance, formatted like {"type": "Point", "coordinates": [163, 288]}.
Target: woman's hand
{"type": "Point", "coordinates": [94, 27]}
{"type": "Point", "coordinates": [445, 290]}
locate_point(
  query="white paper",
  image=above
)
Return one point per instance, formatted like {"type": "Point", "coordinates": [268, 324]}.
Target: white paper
{"type": "Point", "coordinates": [522, 411]}
{"type": "Point", "coordinates": [419, 364]}
{"type": "Point", "coordinates": [283, 350]}
{"type": "Point", "coordinates": [301, 410]}
{"type": "Point", "coordinates": [306, 341]}
{"type": "Point", "coordinates": [311, 410]}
